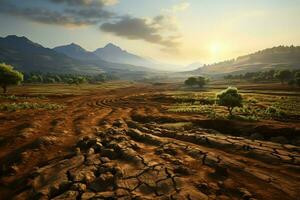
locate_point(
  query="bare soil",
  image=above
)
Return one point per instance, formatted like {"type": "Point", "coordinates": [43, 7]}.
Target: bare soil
{"type": "Point", "coordinates": [115, 144]}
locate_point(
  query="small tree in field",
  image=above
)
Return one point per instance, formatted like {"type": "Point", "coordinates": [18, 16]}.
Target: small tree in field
{"type": "Point", "coordinates": [229, 98]}
{"type": "Point", "coordinates": [191, 81]}
{"type": "Point", "coordinates": [196, 81]}
{"type": "Point", "coordinates": [201, 81]}
{"type": "Point", "coordinates": [9, 76]}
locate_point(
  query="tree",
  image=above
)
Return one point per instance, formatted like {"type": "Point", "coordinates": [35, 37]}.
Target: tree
{"type": "Point", "coordinates": [9, 76]}
{"type": "Point", "coordinates": [201, 81]}
{"type": "Point", "coordinates": [230, 98]}
{"type": "Point", "coordinates": [283, 75]}
{"type": "Point", "coordinates": [192, 81]}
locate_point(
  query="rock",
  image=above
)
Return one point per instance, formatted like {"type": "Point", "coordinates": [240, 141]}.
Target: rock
{"type": "Point", "coordinates": [98, 146]}
{"type": "Point", "coordinates": [93, 159]}
{"type": "Point", "coordinates": [102, 182]}
{"type": "Point", "coordinates": [83, 174]}
{"type": "Point", "coordinates": [122, 193]}
{"type": "Point", "coordinates": [180, 169]}
{"type": "Point", "coordinates": [78, 187]}
{"type": "Point", "coordinates": [69, 195]}
{"type": "Point", "coordinates": [165, 186]}
{"type": "Point", "coordinates": [105, 159]}
{"type": "Point", "coordinates": [14, 169]}
{"type": "Point", "coordinates": [119, 123]}
{"type": "Point", "coordinates": [90, 151]}
{"type": "Point", "coordinates": [105, 195]}
{"type": "Point", "coordinates": [110, 153]}
{"type": "Point", "coordinates": [87, 195]}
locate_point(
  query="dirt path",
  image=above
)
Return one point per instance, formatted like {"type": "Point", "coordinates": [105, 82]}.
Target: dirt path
{"type": "Point", "coordinates": [112, 145]}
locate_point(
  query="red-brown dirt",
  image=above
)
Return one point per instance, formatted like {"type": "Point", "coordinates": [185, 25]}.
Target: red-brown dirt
{"type": "Point", "coordinates": [111, 145]}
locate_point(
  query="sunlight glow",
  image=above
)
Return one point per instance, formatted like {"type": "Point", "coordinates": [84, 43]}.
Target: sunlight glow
{"type": "Point", "coordinates": [215, 48]}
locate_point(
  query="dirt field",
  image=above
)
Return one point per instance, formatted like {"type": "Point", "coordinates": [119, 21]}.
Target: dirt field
{"type": "Point", "coordinates": [124, 143]}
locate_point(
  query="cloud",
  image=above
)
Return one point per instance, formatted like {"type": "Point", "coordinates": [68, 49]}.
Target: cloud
{"type": "Point", "coordinates": [150, 30]}
{"type": "Point", "coordinates": [161, 29]}
{"type": "Point", "coordinates": [87, 2]}
{"type": "Point", "coordinates": [180, 7]}
{"type": "Point", "coordinates": [75, 16]}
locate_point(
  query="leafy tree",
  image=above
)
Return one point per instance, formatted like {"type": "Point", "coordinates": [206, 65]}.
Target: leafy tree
{"type": "Point", "coordinates": [201, 81]}
{"type": "Point", "coordinates": [9, 76]}
{"type": "Point", "coordinates": [283, 75]}
{"type": "Point", "coordinates": [230, 98]}
{"type": "Point", "coordinates": [191, 81]}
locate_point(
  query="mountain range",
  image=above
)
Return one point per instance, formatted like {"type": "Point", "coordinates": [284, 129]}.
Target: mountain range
{"type": "Point", "coordinates": [114, 54]}
{"type": "Point", "coordinates": [28, 56]}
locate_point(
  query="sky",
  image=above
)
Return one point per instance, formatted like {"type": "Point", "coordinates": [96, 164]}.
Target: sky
{"type": "Point", "coordinates": [171, 31]}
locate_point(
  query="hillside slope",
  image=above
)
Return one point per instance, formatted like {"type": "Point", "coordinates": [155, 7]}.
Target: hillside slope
{"type": "Point", "coordinates": [272, 58]}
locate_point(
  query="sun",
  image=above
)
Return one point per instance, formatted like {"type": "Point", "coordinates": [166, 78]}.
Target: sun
{"type": "Point", "coordinates": [215, 48]}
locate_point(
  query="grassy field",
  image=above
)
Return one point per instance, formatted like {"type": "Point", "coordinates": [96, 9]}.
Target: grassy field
{"type": "Point", "coordinates": [256, 106]}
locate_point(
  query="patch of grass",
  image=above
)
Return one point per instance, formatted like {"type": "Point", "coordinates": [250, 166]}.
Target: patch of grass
{"type": "Point", "coordinates": [14, 97]}
{"type": "Point", "coordinates": [255, 106]}
{"type": "Point", "coordinates": [27, 105]}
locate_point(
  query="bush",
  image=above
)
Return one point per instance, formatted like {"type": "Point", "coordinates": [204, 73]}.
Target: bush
{"type": "Point", "coordinates": [230, 98]}
{"type": "Point", "coordinates": [9, 76]}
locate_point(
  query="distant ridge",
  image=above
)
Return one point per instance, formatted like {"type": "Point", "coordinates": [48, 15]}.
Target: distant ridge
{"type": "Point", "coordinates": [271, 58]}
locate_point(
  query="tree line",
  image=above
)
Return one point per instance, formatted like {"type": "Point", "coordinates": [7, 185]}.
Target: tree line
{"type": "Point", "coordinates": [10, 76]}
{"type": "Point", "coordinates": [292, 77]}
{"type": "Point", "coordinates": [67, 78]}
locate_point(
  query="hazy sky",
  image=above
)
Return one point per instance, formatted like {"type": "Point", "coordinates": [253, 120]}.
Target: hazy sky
{"type": "Point", "coordinates": [174, 31]}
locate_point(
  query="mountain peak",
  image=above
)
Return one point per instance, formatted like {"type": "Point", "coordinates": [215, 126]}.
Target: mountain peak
{"type": "Point", "coordinates": [112, 46]}
{"type": "Point", "coordinates": [16, 37]}
{"type": "Point", "coordinates": [19, 41]}
{"type": "Point", "coordinates": [70, 47]}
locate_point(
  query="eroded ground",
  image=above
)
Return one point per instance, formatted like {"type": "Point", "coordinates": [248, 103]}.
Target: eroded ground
{"type": "Point", "coordinates": [124, 144]}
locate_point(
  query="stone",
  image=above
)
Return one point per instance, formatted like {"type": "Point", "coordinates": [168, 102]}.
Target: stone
{"type": "Point", "coordinates": [84, 174]}
{"type": "Point", "coordinates": [103, 182]}
{"type": "Point", "coordinates": [105, 195]}
{"type": "Point", "coordinates": [87, 195]}
{"type": "Point", "coordinates": [69, 195]}
{"type": "Point", "coordinates": [78, 187]}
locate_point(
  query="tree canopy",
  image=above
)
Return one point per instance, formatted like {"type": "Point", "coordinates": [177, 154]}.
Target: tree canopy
{"type": "Point", "coordinates": [9, 76]}
{"type": "Point", "coordinates": [196, 81]}
{"type": "Point", "coordinates": [230, 98]}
